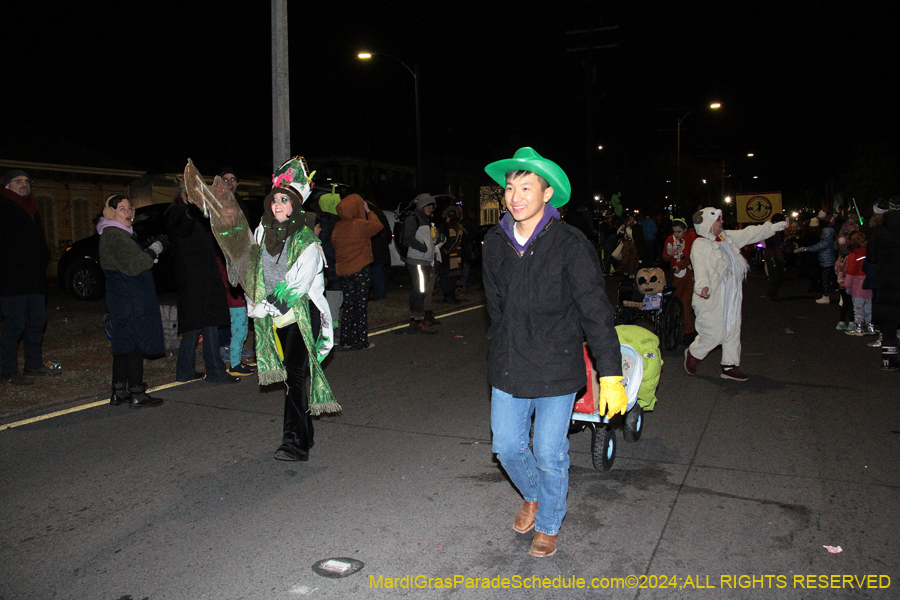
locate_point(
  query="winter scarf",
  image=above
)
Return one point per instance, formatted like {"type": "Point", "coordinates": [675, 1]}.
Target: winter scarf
{"type": "Point", "coordinates": [271, 369]}
{"type": "Point", "coordinates": [26, 203]}
{"type": "Point", "coordinates": [103, 223]}
{"type": "Point", "coordinates": [277, 232]}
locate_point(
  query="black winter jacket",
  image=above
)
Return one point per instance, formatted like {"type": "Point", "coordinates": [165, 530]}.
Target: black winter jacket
{"type": "Point", "coordinates": [201, 292]}
{"type": "Point", "coordinates": [884, 251]}
{"type": "Point", "coordinates": [23, 250]}
{"type": "Point", "coordinates": [541, 305]}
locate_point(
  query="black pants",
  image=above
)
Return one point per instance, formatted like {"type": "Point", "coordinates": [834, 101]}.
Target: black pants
{"type": "Point", "coordinates": [129, 367]}
{"type": "Point", "coordinates": [829, 278]}
{"type": "Point", "coordinates": [846, 314]}
{"type": "Point", "coordinates": [23, 317]}
{"type": "Point", "coordinates": [298, 426]}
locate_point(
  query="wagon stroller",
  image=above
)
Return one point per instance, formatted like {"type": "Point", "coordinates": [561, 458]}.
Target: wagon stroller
{"type": "Point", "coordinates": [641, 365]}
{"type": "Point", "coordinates": [662, 310]}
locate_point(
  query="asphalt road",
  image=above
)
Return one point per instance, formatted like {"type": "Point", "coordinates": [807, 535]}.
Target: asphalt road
{"type": "Point", "coordinates": [729, 479]}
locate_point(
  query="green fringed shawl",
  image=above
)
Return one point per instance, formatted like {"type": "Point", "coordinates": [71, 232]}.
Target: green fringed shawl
{"type": "Point", "coordinates": [271, 369]}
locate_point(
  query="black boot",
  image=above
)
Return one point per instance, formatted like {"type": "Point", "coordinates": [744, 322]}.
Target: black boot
{"type": "Point", "coordinates": [430, 318]}
{"type": "Point", "coordinates": [451, 299]}
{"type": "Point", "coordinates": [140, 398]}
{"type": "Point", "coordinates": [889, 360]}
{"type": "Point", "coordinates": [120, 395]}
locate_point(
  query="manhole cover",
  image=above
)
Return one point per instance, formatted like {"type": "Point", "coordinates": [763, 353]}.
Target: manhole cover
{"type": "Point", "coordinates": [335, 568]}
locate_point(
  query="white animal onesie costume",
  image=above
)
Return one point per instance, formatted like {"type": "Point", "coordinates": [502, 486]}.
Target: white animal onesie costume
{"type": "Point", "coordinates": [719, 266]}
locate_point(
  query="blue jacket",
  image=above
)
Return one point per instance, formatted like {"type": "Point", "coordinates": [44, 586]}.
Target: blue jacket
{"type": "Point", "coordinates": [825, 248]}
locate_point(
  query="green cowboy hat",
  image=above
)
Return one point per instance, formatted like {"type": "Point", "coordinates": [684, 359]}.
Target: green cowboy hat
{"type": "Point", "coordinates": [526, 159]}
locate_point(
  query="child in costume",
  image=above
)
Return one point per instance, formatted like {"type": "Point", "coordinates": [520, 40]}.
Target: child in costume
{"type": "Point", "coordinates": [719, 272]}
{"type": "Point", "coordinates": [545, 292]}
{"type": "Point", "coordinates": [678, 253]}
{"type": "Point", "coordinates": [131, 299]}
{"type": "Point", "coordinates": [862, 298]}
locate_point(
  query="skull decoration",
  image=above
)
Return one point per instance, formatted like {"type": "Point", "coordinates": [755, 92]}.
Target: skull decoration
{"type": "Point", "coordinates": [650, 282]}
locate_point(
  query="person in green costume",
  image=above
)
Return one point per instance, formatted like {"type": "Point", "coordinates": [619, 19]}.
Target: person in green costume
{"type": "Point", "coordinates": [293, 335]}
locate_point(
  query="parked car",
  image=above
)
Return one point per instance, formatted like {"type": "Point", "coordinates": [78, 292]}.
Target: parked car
{"type": "Point", "coordinates": [79, 272]}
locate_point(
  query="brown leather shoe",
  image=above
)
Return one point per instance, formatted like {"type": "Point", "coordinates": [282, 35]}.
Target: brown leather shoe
{"type": "Point", "coordinates": [421, 327]}
{"type": "Point", "coordinates": [525, 517]}
{"type": "Point", "coordinates": [543, 545]}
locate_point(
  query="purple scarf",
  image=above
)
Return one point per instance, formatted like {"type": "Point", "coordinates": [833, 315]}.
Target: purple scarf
{"type": "Point", "coordinates": [507, 224]}
{"type": "Point", "coordinates": [103, 223]}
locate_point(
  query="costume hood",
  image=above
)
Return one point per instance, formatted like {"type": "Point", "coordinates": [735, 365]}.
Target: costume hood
{"type": "Point", "coordinates": [423, 200]}
{"type": "Point", "coordinates": [328, 203]}
{"type": "Point", "coordinates": [703, 221]}
{"type": "Point", "coordinates": [351, 207]}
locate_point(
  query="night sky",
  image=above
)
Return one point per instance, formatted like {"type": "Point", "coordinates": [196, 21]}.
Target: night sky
{"type": "Point", "coordinates": [807, 87]}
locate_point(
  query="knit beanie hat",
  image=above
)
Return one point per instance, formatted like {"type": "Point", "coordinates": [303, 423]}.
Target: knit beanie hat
{"type": "Point", "coordinates": [814, 222]}
{"type": "Point", "coordinates": [894, 204]}
{"type": "Point", "coordinates": [881, 206]}
{"type": "Point", "coordinates": [10, 175]}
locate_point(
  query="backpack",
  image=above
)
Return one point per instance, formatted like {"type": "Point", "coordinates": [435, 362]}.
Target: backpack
{"type": "Point", "coordinates": [399, 243]}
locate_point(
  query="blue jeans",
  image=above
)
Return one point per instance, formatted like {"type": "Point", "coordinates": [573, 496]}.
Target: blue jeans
{"type": "Point", "coordinates": [185, 366]}
{"type": "Point", "coordinates": [540, 474]}
{"type": "Point", "coordinates": [379, 291]}
{"type": "Point", "coordinates": [23, 318]}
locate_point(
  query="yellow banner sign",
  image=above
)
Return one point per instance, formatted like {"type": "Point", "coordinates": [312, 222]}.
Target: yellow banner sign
{"type": "Point", "coordinates": [756, 208]}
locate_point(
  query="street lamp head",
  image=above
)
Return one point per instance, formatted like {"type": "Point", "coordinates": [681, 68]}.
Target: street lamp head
{"type": "Point", "coordinates": [364, 55]}
{"type": "Point", "coordinates": [599, 147]}
{"type": "Point", "coordinates": [715, 105]}
{"type": "Point", "coordinates": [750, 154]}
{"type": "Point", "coordinates": [727, 199]}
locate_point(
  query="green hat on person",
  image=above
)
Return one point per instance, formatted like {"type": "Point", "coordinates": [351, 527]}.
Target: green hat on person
{"type": "Point", "coordinates": [526, 159]}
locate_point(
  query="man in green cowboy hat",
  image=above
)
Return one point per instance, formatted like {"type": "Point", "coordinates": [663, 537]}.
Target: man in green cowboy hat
{"type": "Point", "coordinates": [545, 292]}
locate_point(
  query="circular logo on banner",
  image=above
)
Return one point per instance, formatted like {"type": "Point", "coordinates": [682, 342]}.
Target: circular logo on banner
{"type": "Point", "coordinates": [759, 208]}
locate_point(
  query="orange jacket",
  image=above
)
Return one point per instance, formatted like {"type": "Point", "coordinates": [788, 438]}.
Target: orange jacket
{"type": "Point", "coordinates": [352, 235]}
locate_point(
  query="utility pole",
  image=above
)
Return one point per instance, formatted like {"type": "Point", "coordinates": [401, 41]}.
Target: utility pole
{"type": "Point", "coordinates": [582, 41]}
{"type": "Point", "coordinates": [281, 88]}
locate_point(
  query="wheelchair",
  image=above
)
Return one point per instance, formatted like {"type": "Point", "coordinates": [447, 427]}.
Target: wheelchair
{"type": "Point", "coordinates": [667, 322]}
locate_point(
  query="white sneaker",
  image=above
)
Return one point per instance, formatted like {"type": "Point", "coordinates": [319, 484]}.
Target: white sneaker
{"type": "Point", "coordinates": [876, 343]}
{"type": "Point", "coordinates": [855, 329]}
{"type": "Point", "coordinates": [824, 300]}
{"type": "Point", "coordinates": [842, 326]}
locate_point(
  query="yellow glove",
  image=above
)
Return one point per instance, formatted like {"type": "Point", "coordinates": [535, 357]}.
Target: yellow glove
{"type": "Point", "coordinates": [613, 399]}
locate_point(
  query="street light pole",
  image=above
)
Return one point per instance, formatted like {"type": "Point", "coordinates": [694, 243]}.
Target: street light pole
{"type": "Point", "coordinates": [713, 106]}
{"type": "Point", "coordinates": [415, 73]}
{"type": "Point", "coordinates": [281, 113]}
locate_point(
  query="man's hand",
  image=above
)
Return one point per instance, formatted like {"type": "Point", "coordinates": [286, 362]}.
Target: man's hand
{"type": "Point", "coordinates": [157, 247]}
{"type": "Point", "coordinates": [796, 250]}
{"type": "Point", "coordinates": [704, 293]}
{"type": "Point", "coordinates": [613, 399]}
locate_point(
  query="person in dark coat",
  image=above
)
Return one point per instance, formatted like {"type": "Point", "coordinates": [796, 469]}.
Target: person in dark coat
{"type": "Point", "coordinates": [381, 256]}
{"type": "Point", "coordinates": [884, 251]}
{"type": "Point", "coordinates": [545, 292]}
{"type": "Point", "coordinates": [131, 299]}
{"type": "Point", "coordinates": [23, 280]}
{"type": "Point", "coordinates": [202, 308]}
